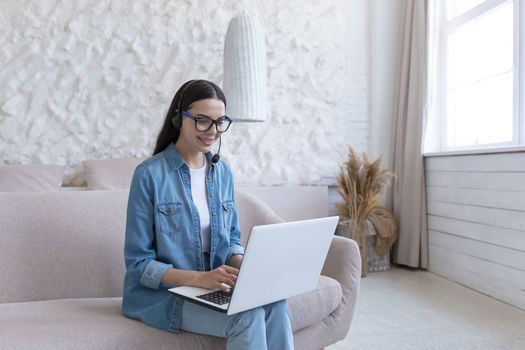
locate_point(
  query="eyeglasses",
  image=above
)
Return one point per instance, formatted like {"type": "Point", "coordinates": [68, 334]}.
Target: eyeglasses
{"type": "Point", "coordinates": [204, 123]}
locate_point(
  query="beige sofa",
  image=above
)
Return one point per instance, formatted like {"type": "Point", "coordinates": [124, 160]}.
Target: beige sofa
{"type": "Point", "coordinates": [61, 273]}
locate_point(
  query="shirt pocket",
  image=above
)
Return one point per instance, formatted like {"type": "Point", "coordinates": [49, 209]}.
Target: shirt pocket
{"type": "Point", "coordinates": [169, 217]}
{"type": "Point", "coordinates": [227, 214]}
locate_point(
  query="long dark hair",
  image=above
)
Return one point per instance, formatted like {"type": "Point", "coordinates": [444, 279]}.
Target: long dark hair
{"type": "Point", "coordinates": [190, 91]}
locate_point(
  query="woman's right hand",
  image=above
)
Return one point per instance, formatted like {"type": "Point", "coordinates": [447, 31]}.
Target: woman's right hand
{"type": "Point", "coordinates": [223, 277]}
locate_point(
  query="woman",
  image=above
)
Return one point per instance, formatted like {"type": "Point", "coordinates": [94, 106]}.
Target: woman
{"type": "Point", "coordinates": [182, 229]}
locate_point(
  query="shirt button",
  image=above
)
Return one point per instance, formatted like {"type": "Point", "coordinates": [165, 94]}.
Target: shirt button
{"type": "Point", "coordinates": [213, 214]}
{"type": "Point", "coordinates": [211, 195]}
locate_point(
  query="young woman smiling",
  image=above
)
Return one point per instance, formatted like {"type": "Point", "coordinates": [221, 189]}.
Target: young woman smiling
{"type": "Point", "coordinates": [182, 229]}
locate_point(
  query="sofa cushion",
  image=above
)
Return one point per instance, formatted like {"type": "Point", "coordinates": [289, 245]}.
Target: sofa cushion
{"type": "Point", "coordinates": [31, 177]}
{"type": "Point", "coordinates": [68, 244]}
{"type": "Point", "coordinates": [87, 324]}
{"type": "Point", "coordinates": [310, 308]}
{"type": "Point", "coordinates": [98, 323]}
{"type": "Point", "coordinates": [110, 174]}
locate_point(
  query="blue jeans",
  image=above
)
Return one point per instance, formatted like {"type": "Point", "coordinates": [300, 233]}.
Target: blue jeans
{"type": "Point", "coordinates": [265, 327]}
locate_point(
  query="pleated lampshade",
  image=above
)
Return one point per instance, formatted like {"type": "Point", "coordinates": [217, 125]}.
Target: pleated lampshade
{"type": "Point", "coordinates": [244, 79]}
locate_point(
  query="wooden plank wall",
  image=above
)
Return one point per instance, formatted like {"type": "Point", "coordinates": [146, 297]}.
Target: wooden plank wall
{"type": "Point", "coordinates": [476, 222]}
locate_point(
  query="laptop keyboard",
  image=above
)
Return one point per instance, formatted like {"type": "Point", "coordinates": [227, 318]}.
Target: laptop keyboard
{"type": "Point", "coordinates": [219, 297]}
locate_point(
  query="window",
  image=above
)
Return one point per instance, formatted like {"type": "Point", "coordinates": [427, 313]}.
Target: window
{"type": "Point", "coordinates": [477, 65]}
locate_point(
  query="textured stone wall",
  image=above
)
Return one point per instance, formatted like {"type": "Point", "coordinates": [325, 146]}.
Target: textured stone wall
{"type": "Point", "coordinates": [92, 79]}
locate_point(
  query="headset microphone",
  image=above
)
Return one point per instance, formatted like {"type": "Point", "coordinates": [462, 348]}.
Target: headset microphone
{"type": "Point", "coordinates": [216, 157]}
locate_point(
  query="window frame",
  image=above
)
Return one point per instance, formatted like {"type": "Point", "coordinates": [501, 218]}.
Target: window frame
{"type": "Point", "coordinates": [519, 66]}
{"type": "Point", "coordinates": [445, 28]}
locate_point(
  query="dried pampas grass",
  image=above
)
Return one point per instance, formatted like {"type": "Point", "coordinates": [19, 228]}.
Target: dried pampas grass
{"type": "Point", "coordinates": [360, 183]}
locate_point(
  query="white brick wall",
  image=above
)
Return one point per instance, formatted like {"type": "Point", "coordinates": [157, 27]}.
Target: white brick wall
{"type": "Point", "coordinates": [93, 79]}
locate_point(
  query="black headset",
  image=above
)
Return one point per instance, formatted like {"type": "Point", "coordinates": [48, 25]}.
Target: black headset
{"type": "Point", "coordinates": [177, 121]}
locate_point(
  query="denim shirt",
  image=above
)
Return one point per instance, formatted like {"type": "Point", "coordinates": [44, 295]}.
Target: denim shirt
{"type": "Point", "coordinates": [163, 231]}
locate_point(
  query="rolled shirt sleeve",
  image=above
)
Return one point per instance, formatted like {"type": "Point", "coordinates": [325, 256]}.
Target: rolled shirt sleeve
{"type": "Point", "coordinates": [153, 273]}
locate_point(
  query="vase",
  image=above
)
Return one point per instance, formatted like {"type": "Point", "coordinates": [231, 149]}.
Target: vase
{"type": "Point", "coordinates": [362, 231]}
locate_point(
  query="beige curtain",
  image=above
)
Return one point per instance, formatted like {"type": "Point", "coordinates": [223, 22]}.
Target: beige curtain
{"type": "Point", "coordinates": [409, 200]}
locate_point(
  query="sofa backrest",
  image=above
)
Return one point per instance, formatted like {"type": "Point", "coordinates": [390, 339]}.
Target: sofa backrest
{"type": "Point", "coordinates": [253, 211]}
{"type": "Point", "coordinates": [57, 245]}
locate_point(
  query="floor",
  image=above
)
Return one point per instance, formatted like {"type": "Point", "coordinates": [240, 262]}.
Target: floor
{"type": "Point", "coordinates": [413, 309]}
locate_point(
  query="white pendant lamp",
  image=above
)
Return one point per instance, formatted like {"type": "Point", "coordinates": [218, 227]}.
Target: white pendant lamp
{"type": "Point", "coordinates": [244, 79]}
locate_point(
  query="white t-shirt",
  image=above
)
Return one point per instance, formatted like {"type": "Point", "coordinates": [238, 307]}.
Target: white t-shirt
{"type": "Point", "coordinates": [200, 198]}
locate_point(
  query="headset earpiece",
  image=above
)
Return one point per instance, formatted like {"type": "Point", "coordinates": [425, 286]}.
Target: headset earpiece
{"type": "Point", "coordinates": [176, 121]}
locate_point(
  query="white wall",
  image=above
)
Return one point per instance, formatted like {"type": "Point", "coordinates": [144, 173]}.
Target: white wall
{"type": "Point", "coordinates": [476, 222]}
{"type": "Point", "coordinates": [92, 79]}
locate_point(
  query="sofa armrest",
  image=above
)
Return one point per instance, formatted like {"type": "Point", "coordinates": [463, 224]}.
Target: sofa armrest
{"type": "Point", "coordinates": [343, 263]}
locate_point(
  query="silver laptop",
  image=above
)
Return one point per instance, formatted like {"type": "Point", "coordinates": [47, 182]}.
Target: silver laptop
{"type": "Point", "coordinates": [280, 261]}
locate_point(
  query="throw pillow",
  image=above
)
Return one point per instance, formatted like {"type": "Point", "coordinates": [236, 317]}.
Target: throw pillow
{"type": "Point", "coordinates": [110, 174]}
{"type": "Point", "coordinates": [31, 177]}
